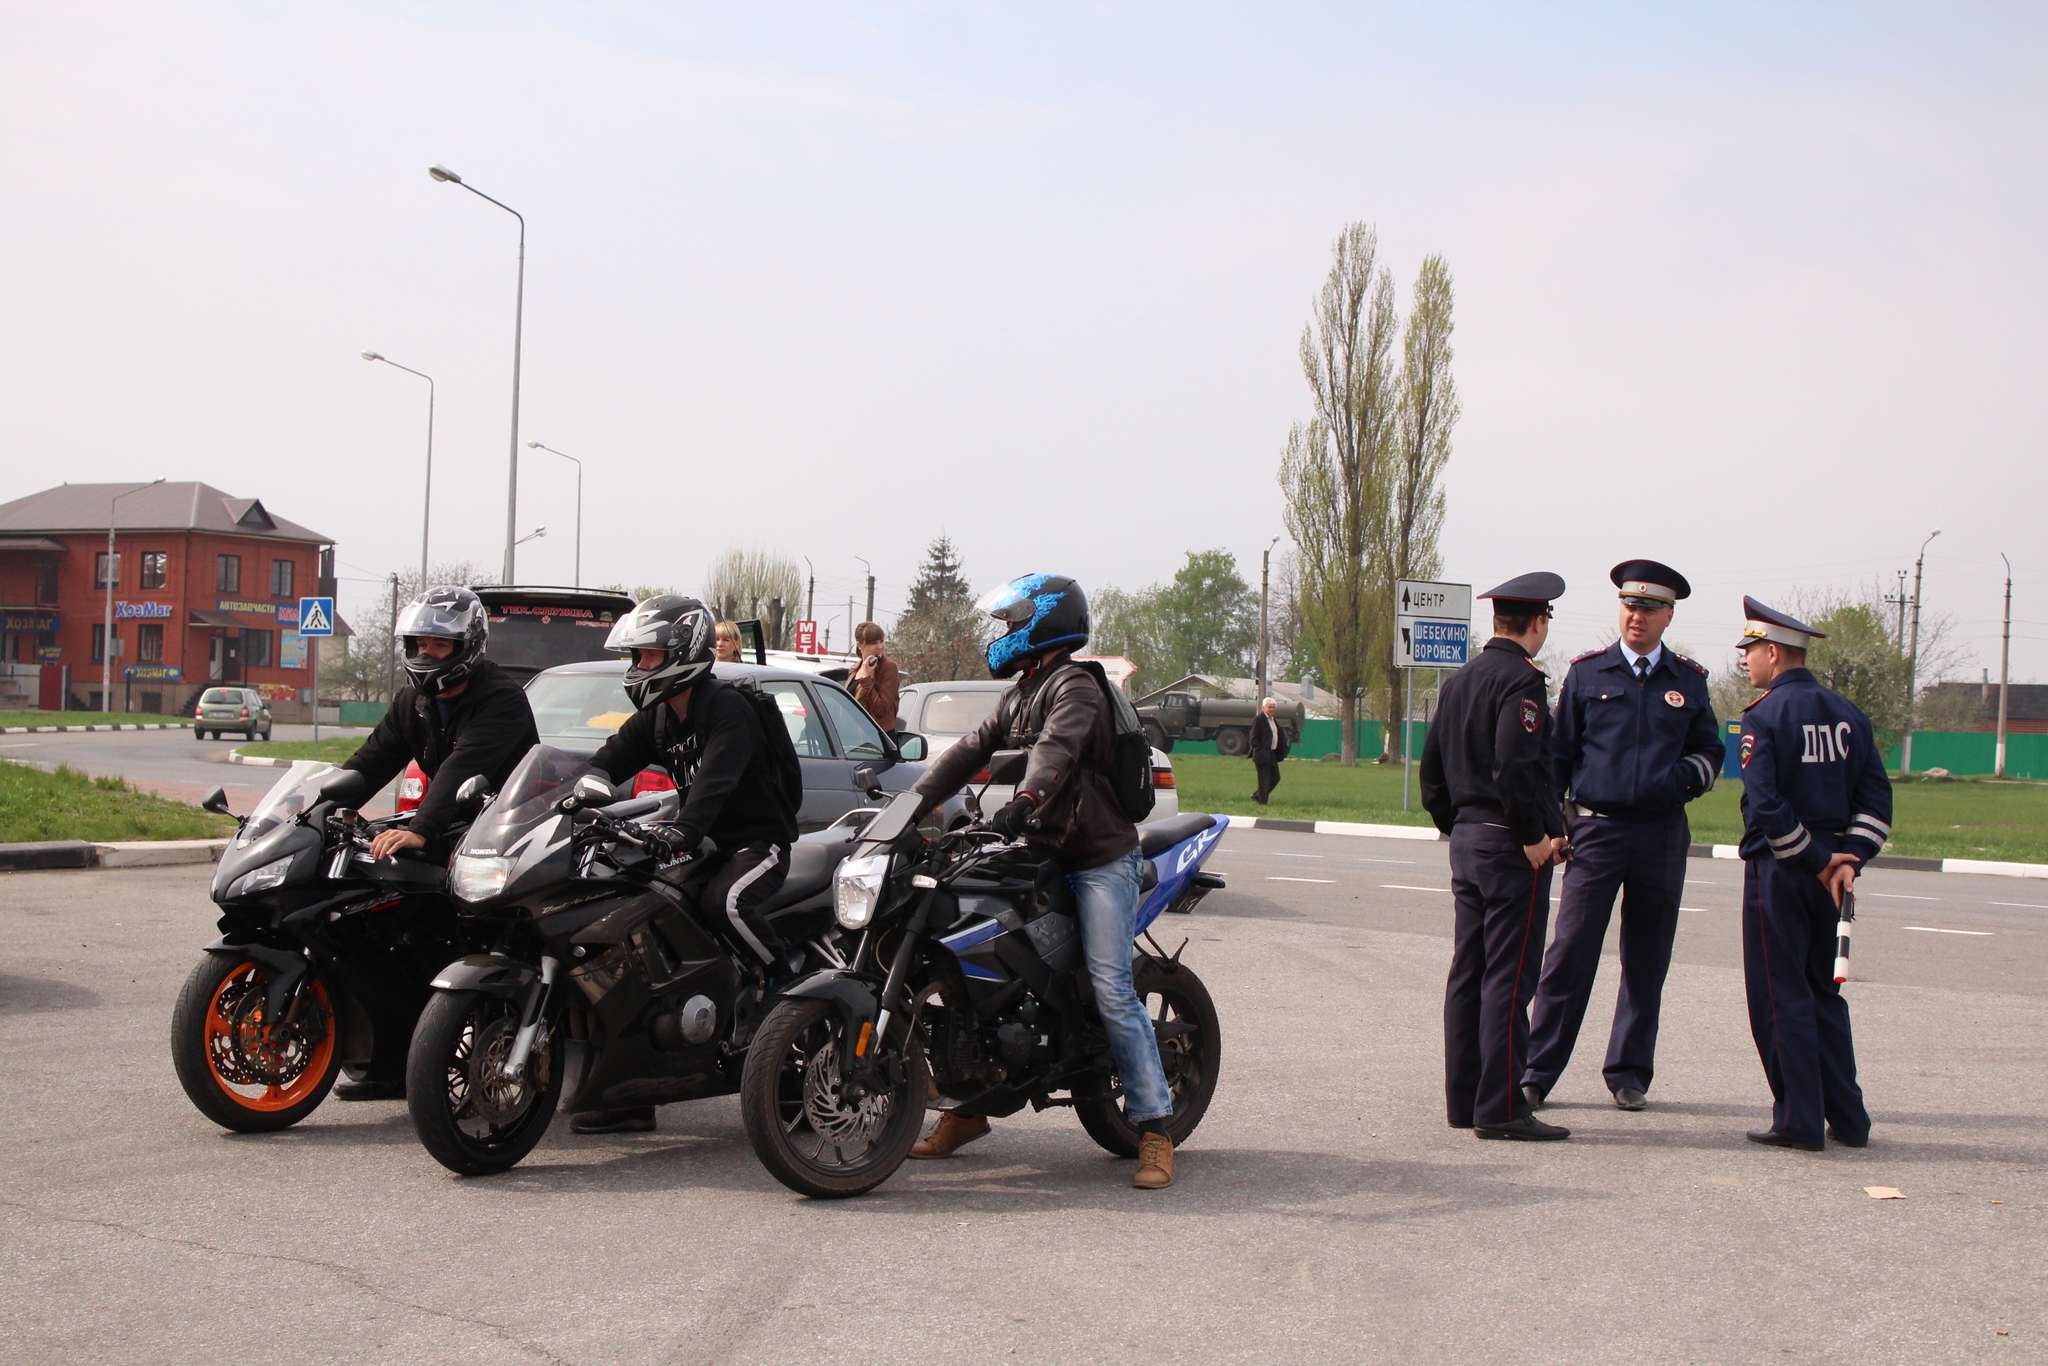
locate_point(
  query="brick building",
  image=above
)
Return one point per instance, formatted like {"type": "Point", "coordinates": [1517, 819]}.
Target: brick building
{"type": "Point", "coordinates": [2025, 714]}
{"type": "Point", "coordinates": [206, 590]}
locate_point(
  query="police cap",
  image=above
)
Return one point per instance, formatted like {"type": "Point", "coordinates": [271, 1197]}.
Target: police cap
{"type": "Point", "coordinates": [1766, 623]}
{"type": "Point", "coordinates": [1526, 592]}
{"type": "Point", "coordinates": [1645, 583]}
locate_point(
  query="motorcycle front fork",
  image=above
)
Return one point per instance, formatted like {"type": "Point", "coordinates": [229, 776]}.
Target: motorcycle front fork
{"type": "Point", "coordinates": [530, 1020]}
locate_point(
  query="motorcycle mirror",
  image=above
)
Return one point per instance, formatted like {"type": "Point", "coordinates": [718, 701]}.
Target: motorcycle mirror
{"type": "Point", "coordinates": [1006, 767]}
{"type": "Point", "coordinates": [216, 801]}
{"type": "Point", "coordinates": [474, 788]}
{"type": "Point", "coordinates": [868, 779]}
{"type": "Point", "coordinates": [593, 790]}
{"type": "Point", "coordinates": [346, 788]}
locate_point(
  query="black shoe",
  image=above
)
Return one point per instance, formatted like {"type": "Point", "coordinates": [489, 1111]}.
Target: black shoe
{"type": "Point", "coordinates": [637, 1120]}
{"type": "Point", "coordinates": [1461, 1124]}
{"type": "Point", "coordinates": [1534, 1094]}
{"type": "Point", "coordinates": [1862, 1142]}
{"type": "Point", "coordinates": [369, 1089]}
{"type": "Point", "coordinates": [1529, 1130]}
{"type": "Point", "coordinates": [1771, 1138]}
{"type": "Point", "coordinates": [1628, 1098]}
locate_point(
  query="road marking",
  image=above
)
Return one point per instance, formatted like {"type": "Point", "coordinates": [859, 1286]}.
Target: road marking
{"type": "Point", "coordinates": [2023, 905]}
{"type": "Point", "coordinates": [1398, 887]}
{"type": "Point", "coordinates": [1930, 929]}
{"type": "Point", "coordinates": [1697, 883]}
{"type": "Point", "coordinates": [1279, 854]}
{"type": "Point", "coordinates": [1407, 862]}
{"type": "Point", "coordinates": [1326, 881]}
{"type": "Point", "coordinates": [1696, 910]}
{"type": "Point", "coordinates": [1901, 896]}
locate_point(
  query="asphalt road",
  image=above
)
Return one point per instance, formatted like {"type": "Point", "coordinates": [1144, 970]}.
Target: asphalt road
{"type": "Point", "coordinates": [169, 763]}
{"type": "Point", "coordinates": [1323, 1213]}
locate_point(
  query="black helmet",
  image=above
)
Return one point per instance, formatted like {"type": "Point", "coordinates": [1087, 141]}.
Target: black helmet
{"type": "Point", "coordinates": [1041, 611]}
{"type": "Point", "coordinates": [683, 627]}
{"type": "Point", "coordinates": [446, 614]}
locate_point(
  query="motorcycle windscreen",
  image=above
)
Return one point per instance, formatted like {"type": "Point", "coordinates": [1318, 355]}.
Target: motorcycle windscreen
{"type": "Point", "coordinates": [895, 818]}
{"type": "Point", "coordinates": [287, 799]}
{"type": "Point", "coordinates": [529, 797]}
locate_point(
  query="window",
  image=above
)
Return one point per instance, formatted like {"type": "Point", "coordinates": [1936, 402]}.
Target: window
{"type": "Point", "coordinates": [149, 643]}
{"type": "Point", "coordinates": [280, 578]}
{"type": "Point", "coordinates": [46, 580]}
{"type": "Point", "coordinates": [255, 649]}
{"type": "Point", "coordinates": [101, 561]}
{"type": "Point", "coordinates": [958, 712]}
{"type": "Point", "coordinates": [859, 736]}
{"type": "Point", "coordinates": [806, 731]}
{"type": "Point", "coordinates": [156, 567]}
{"type": "Point", "coordinates": [227, 573]}
{"type": "Point", "coordinates": [99, 642]}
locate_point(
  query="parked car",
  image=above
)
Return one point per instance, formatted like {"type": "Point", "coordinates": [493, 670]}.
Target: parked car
{"type": "Point", "coordinates": [236, 709]}
{"type": "Point", "coordinates": [535, 628]}
{"type": "Point", "coordinates": [1172, 716]}
{"type": "Point", "coordinates": [944, 712]}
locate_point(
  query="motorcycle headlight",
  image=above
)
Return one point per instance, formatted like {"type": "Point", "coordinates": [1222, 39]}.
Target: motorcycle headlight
{"type": "Point", "coordinates": [857, 889]}
{"type": "Point", "coordinates": [261, 879]}
{"type": "Point", "coordinates": [477, 877]}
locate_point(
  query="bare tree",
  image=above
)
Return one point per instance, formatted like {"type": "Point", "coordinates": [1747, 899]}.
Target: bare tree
{"type": "Point", "coordinates": [758, 584]}
{"type": "Point", "coordinates": [1333, 469]}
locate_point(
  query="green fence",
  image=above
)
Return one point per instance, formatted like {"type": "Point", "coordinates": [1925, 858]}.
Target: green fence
{"type": "Point", "coordinates": [363, 713]}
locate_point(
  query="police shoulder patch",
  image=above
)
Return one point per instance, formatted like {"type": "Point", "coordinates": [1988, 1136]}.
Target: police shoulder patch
{"type": "Point", "coordinates": [1593, 653]}
{"type": "Point", "coordinates": [1532, 715]}
{"type": "Point", "coordinates": [1748, 748]}
{"type": "Point", "coordinates": [1692, 664]}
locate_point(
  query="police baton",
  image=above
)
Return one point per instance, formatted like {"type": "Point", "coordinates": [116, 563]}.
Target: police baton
{"type": "Point", "coordinates": [1844, 920]}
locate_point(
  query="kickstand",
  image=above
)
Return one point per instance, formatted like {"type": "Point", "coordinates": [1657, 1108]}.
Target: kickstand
{"type": "Point", "coordinates": [1172, 961]}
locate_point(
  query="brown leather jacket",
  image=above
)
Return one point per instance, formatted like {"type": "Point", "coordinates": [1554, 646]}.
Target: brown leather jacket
{"type": "Point", "coordinates": [1077, 822]}
{"type": "Point", "coordinates": [877, 693]}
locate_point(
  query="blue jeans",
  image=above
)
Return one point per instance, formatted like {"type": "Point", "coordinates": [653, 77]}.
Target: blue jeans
{"type": "Point", "coordinates": [1106, 899]}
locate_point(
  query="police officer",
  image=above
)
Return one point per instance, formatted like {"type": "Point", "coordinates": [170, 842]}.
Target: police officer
{"type": "Point", "coordinates": [1635, 741]}
{"type": "Point", "coordinates": [1487, 783]}
{"type": "Point", "coordinates": [1816, 805]}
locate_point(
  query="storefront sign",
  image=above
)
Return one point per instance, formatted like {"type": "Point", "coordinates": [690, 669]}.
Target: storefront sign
{"type": "Point", "coordinates": [28, 621]}
{"type": "Point", "coordinates": [288, 615]}
{"type": "Point", "coordinates": [291, 650]}
{"type": "Point", "coordinates": [277, 692]}
{"type": "Point", "coordinates": [153, 673]}
{"type": "Point", "coordinates": [264, 609]}
{"type": "Point", "coordinates": [49, 654]}
{"type": "Point", "coordinates": [155, 610]}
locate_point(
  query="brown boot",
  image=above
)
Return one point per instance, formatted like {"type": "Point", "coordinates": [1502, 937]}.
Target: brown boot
{"type": "Point", "coordinates": [1155, 1163]}
{"type": "Point", "coordinates": [954, 1133]}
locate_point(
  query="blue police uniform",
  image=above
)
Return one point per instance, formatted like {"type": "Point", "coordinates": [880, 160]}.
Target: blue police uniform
{"type": "Point", "coordinates": [1813, 785]}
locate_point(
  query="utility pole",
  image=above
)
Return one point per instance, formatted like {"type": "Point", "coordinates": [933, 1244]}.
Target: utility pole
{"type": "Point", "coordinates": [2004, 669]}
{"type": "Point", "coordinates": [1898, 600]}
{"type": "Point", "coordinates": [810, 592]}
{"type": "Point", "coordinates": [1913, 659]}
{"type": "Point", "coordinates": [871, 589]}
{"type": "Point", "coordinates": [391, 646]}
{"type": "Point", "coordinates": [1265, 580]}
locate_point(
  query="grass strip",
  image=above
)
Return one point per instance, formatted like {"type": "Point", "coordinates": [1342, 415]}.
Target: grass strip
{"type": "Point", "coordinates": [332, 749]}
{"type": "Point", "coordinates": [89, 718]}
{"type": "Point", "coordinates": [69, 805]}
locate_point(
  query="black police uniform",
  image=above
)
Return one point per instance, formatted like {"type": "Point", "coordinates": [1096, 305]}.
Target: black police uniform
{"type": "Point", "coordinates": [1632, 748]}
{"type": "Point", "coordinates": [1486, 781]}
{"type": "Point", "coordinates": [1813, 785]}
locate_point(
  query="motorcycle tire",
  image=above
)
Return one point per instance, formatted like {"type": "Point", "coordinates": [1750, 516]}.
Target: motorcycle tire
{"type": "Point", "coordinates": [471, 1120]}
{"type": "Point", "coordinates": [801, 1128]}
{"type": "Point", "coordinates": [1190, 1047]}
{"type": "Point", "coordinates": [239, 1070]}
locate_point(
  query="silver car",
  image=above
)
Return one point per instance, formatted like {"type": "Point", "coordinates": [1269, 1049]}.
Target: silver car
{"type": "Point", "coordinates": [236, 709]}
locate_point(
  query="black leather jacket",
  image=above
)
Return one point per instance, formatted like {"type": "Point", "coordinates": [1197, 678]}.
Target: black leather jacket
{"type": "Point", "coordinates": [488, 731]}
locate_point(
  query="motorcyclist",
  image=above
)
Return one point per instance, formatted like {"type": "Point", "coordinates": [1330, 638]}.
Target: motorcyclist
{"type": "Point", "coordinates": [1066, 809]}
{"type": "Point", "coordinates": [731, 771]}
{"type": "Point", "coordinates": [457, 715]}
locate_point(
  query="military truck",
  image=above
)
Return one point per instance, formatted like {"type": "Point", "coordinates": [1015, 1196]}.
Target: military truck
{"type": "Point", "coordinates": [1174, 715]}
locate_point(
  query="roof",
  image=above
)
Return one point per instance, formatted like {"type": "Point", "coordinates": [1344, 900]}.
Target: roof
{"type": "Point", "coordinates": [2029, 700]}
{"type": "Point", "coordinates": [188, 506]}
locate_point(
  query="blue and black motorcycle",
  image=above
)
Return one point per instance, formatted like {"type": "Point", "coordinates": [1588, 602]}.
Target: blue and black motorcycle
{"type": "Point", "coordinates": [967, 986]}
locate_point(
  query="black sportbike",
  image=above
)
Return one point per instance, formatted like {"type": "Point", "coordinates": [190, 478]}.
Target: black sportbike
{"type": "Point", "coordinates": [598, 984]}
{"type": "Point", "coordinates": [324, 956]}
{"type": "Point", "coordinates": [967, 985]}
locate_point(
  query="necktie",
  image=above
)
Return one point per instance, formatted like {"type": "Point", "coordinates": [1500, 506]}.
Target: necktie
{"type": "Point", "coordinates": [1642, 667]}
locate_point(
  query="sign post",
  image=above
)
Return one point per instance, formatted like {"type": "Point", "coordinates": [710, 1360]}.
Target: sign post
{"type": "Point", "coordinates": [1432, 630]}
{"type": "Point", "coordinates": [316, 620]}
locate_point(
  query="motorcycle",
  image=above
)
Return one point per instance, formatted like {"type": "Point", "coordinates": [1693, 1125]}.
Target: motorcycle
{"type": "Point", "coordinates": [324, 956]}
{"type": "Point", "coordinates": [601, 986]}
{"type": "Point", "coordinates": [967, 985]}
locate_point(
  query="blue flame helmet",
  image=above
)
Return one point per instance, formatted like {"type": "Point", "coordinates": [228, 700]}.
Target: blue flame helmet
{"type": "Point", "coordinates": [1041, 611]}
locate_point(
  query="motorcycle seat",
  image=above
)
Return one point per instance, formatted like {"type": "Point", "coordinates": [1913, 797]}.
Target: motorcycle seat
{"type": "Point", "coordinates": [1156, 837]}
{"type": "Point", "coordinates": [812, 862]}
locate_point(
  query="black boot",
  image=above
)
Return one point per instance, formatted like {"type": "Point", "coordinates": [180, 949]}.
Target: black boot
{"type": "Point", "coordinates": [369, 1088]}
{"type": "Point", "coordinates": [635, 1119]}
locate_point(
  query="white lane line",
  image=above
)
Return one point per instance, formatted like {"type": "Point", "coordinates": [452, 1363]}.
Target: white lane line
{"type": "Point", "coordinates": [1279, 854]}
{"type": "Point", "coordinates": [1901, 896]}
{"type": "Point", "coordinates": [1399, 887]}
{"type": "Point", "coordinates": [1696, 910]}
{"type": "Point", "coordinates": [1326, 881]}
{"type": "Point", "coordinates": [2022, 905]}
{"type": "Point", "coordinates": [1698, 883]}
{"type": "Point", "coordinates": [1930, 929]}
{"type": "Point", "coordinates": [1409, 862]}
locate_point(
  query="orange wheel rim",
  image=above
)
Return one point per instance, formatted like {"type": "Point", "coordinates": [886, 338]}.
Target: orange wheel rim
{"type": "Point", "coordinates": [262, 1064]}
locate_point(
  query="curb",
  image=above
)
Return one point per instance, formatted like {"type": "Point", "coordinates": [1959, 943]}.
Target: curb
{"type": "Point", "coordinates": [1981, 867]}
{"type": "Point", "coordinates": [123, 854]}
{"type": "Point", "coordinates": [235, 756]}
{"type": "Point", "coordinates": [60, 730]}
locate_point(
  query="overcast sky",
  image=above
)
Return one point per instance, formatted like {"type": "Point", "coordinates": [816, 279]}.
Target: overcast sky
{"type": "Point", "coordinates": [1758, 291]}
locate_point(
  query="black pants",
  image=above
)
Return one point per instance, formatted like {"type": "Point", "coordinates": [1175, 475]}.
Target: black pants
{"type": "Point", "coordinates": [1503, 908]}
{"type": "Point", "coordinates": [1269, 778]}
{"type": "Point", "coordinates": [1645, 862]}
{"type": "Point", "coordinates": [729, 890]}
{"type": "Point", "coordinates": [1796, 1011]}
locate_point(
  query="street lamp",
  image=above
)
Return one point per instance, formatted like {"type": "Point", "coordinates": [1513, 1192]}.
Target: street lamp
{"type": "Point", "coordinates": [1265, 575]}
{"type": "Point", "coordinates": [871, 588]}
{"type": "Point", "coordinates": [1913, 659]}
{"type": "Point", "coordinates": [532, 535]}
{"type": "Point", "coordinates": [537, 446]}
{"type": "Point", "coordinates": [426, 497]}
{"type": "Point", "coordinates": [107, 635]}
{"type": "Point", "coordinates": [443, 174]}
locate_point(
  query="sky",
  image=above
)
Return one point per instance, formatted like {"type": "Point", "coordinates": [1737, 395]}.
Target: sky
{"type": "Point", "coordinates": [1754, 290]}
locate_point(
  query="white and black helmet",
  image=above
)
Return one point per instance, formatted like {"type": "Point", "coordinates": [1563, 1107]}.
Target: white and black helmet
{"type": "Point", "coordinates": [448, 614]}
{"type": "Point", "coordinates": [683, 628]}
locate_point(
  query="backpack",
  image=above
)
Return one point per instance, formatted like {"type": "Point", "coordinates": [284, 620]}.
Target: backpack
{"type": "Point", "coordinates": [1130, 755]}
{"type": "Point", "coordinates": [781, 750]}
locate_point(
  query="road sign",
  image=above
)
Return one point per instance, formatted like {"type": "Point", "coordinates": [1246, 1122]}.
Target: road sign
{"type": "Point", "coordinates": [1432, 624]}
{"type": "Point", "coordinates": [807, 637]}
{"type": "Point", "coordinates": [316, 616]}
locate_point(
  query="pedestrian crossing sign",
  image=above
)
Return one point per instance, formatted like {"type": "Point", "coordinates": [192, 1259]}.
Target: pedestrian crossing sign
{"type": "Point", "coordinates": [316, 616]}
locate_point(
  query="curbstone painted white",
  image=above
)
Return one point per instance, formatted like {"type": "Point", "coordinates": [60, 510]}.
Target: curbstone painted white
{"type": "Point", "coordinates": [235, 756]}
{"type": "Point", "coordinates": [159, 853]}
{"type": "Point", "coordinates": [59, 730]}
{"type": "Point", "coordinates": [1993, 869]}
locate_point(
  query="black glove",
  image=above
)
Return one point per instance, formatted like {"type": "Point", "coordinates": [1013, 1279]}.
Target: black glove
{"type": "Point", "coordinates": [1009, 822]}
{"type": "Point", "coordinates": [669, 844]}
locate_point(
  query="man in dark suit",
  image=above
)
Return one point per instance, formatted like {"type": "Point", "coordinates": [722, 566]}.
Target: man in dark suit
{"type": "Point", "coordinates": [1269, 747]}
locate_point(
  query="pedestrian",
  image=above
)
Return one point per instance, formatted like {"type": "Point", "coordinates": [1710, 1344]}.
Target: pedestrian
{"type": "Point", "coordinates": [1487, 782]}
{"type": "Point", "coordinates": [1269, 747]}
{"type": "Point", "coordinates": [1816, 806]}
{"type": "Point", "coordinates": [728, 642]}
{"type": "Point", "coordinates": [1635, 740]}
{"type": "Point", "coordinates": [876, 680]}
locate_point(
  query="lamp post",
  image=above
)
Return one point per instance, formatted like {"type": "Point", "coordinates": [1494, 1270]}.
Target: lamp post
{"type": "Point", "coordinates": [427, 494]}
{"type": "Point", "coordinates": [107, 632]}
{"type": "Point", "coordinates": [1265, 577]}
{"type": "Point", "coordinates": [871, 590]}
{"type": "Point", "coordinates": [532, 535]}
{"type": "Point", "coordinates": [442, 173]}
{"type": "Point", "coordinates": [1913, 658]}
{"type": "Point", "coordinates": [2004, 668]}
{"type": "Point", "coordinates": [537, 446]}
{"type": "Point", "coordinates": [811, 596]}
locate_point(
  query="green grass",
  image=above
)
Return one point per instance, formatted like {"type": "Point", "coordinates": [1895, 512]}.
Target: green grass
{"type": "Point", "coordinates": [1961, 818]}
{"type": "Point", "coordinates": [87, 718]}
{"type": "Point", "coordinates": [69, 805]}
{"type": "Point", "coordinates": [331, 750]}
